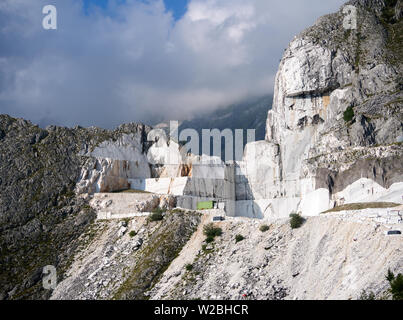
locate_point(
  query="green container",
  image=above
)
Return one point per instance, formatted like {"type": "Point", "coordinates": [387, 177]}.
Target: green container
{"type": "Point", "coordinates": [205, 205]}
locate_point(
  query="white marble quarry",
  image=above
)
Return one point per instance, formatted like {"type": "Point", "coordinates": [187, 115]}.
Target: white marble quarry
{"type": "Point", "coordinates": [216, 188]}
{"type": "Point", "coordinates": [386, 216]}
{"type": "Point", "coordinates": [258, 174]}
{"type": "Point", "coordinates": [127, 148]}
{"type": "Point", "coordinates": [304, 58]}
{"type": "Point", "coordinates": [107, 175]}
{"type": "Point", "coordinates": [190, 202]}
{"type": "Point", "coordinates": [197, 187]}
{"type": "Point", "coordinates": [393, 194]}
{"type": "Point", "coordinates": [266, 208]}
{"type": "Point", "coordinates": [306, 103]}
{"type": "Point", "coordinates": [112, 163]}
{"type": "Point", "coordinates": [314, 203]}
{"type": "Point", "coordinates": [164, 152]}
{"type": "Point", "coordinates": [173, 186]}
{"type": "Point", "coordinates": [367, 190]}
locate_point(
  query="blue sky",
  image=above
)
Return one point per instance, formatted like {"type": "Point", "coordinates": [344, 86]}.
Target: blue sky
{"type": "Point", "coordinates": [177, 7]}
{"type": "Point", "coordinates": [112, 64]}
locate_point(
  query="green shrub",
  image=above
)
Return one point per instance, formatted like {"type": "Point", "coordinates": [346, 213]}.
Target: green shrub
{"type": "Point", "coordinates": [239, 238]}
{"type": "Point", "coordinates": [155, 216]}
{"type": "Point", "coordinates": [388, 12]}
{"type": "Point", "coordinates": [390, 276]}
{"type": "Point", "coordinates": [296, 220]}
{"type": "Point", "coordinates": [210, 230]}
{"type": "Point", "coordinates": [132, 233]}
{"type": "Point", "coordinates": [396, 285]}
{"type": "Point", "coordinates": [264, 228]}
{"type": "Point", "coordinates": [209, 239]}
{"type": "Point", "coordinates": [189, 267]}
{"type": "Point", "coordinates": [348, 115]}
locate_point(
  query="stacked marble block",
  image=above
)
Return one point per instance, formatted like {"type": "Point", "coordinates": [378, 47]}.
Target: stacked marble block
{"type": "Point", "coordinates": [208, 182]}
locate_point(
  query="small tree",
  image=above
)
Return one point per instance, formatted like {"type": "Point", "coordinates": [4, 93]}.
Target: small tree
{"type": "Point", "coordinates": [239, 238]}
{"type": "Point", "coordinates": [210, 230]}
{"type": "Point", "coordinates": [390, 276]}
{"type": "Point", "coordinates": [296, 220]}
{"type": "Point", "coordinates": [264, 228]}
{"type": "Point", "coordinates": [396, 285]}
{"type": "Point", "coordinates": [155, 216]}
{"type": "Point", "coordinates": [348, 115]}
{"type": "Point", "coordinates": [189, 267]}
{"type": "Point", "coordinates": [132, 234]}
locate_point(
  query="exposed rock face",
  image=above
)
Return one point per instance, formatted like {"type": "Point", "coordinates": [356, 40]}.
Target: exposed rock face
{"type": "Point", "coordinates": [335, 130]}
{"type": "Point", "coordinates": [40, 215]}
{"type": "Point", "coordinates": [112, 163]}
{"type": "Point", "coordinates": [329, 257]}
{"type": "Point", "coordinates": [338, 98]}
{"type": "Point", "coordinates": [112, 264]}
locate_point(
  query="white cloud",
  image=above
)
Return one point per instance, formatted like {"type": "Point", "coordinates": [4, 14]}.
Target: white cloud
{"type": "Point", "coordinates": [136, 63]}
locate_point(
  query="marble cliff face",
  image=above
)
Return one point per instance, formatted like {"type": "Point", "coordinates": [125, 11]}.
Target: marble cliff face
{"type": "Point", "coordinates": [337, 111]}
{"type": "Point", "coordinates": [336, 119]}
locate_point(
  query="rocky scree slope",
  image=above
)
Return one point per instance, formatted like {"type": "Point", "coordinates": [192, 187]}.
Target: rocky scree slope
{"type": "Point", "coordinates": [41, 218]}
{"type": "Point", "coordinates": [123, 259]}
{"type": "Point", "coordinates": [326, 258]}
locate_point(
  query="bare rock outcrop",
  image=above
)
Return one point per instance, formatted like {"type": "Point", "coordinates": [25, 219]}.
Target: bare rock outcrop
{"type": "Point", "coordinates": [337, 110]}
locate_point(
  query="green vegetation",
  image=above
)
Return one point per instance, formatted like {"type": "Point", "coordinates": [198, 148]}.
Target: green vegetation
{"type": "Point", "coordinates": [189, 267]}
{"type": "Point", "coordinates": [164, 245]}
{"type": "Point", "coordinates": [132, 233]}
{"type": "Point", "coordinates": [396, 285]}
{"type": "Point", "coordinates": [158, 210]}
{"type": "Point", "coordinates": [210, 230]}
{"type": "Point", "coordinates": [239, 238]}
{"type": "Point", "coordinates": [394, 54]}
{"type": "Point", "coordinates": [348, 115]}
{"type": "Point", "coordinates": [264, 228]}
{"type": "Point", "coordinates": [388, 12]}
{"type": "Point", "coordinates": [156, 215]}
{"type": "Point", "coordinates": [363, 205]}
{"type": "Point", "coordinates": [296, 220]}
{"type": "Point", "coordinates": [395, 291]}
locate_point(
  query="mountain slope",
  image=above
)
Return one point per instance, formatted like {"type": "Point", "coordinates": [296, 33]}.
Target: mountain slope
{"type": "Point", "coordinates": [249, 114]}
{"type": "Point", "coordinates": [41, 217]}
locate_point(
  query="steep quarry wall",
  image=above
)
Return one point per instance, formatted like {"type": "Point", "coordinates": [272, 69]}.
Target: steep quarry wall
{"type": "Point", "coordinates": [41, 217]}
{"type": "Point", "coordinates": [112, 163]}
{"type": "Point", "coordinates": [337, 117]}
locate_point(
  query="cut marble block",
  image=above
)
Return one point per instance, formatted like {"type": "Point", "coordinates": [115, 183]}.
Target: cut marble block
{"type": "Point", "coordinates": [315, 203]}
